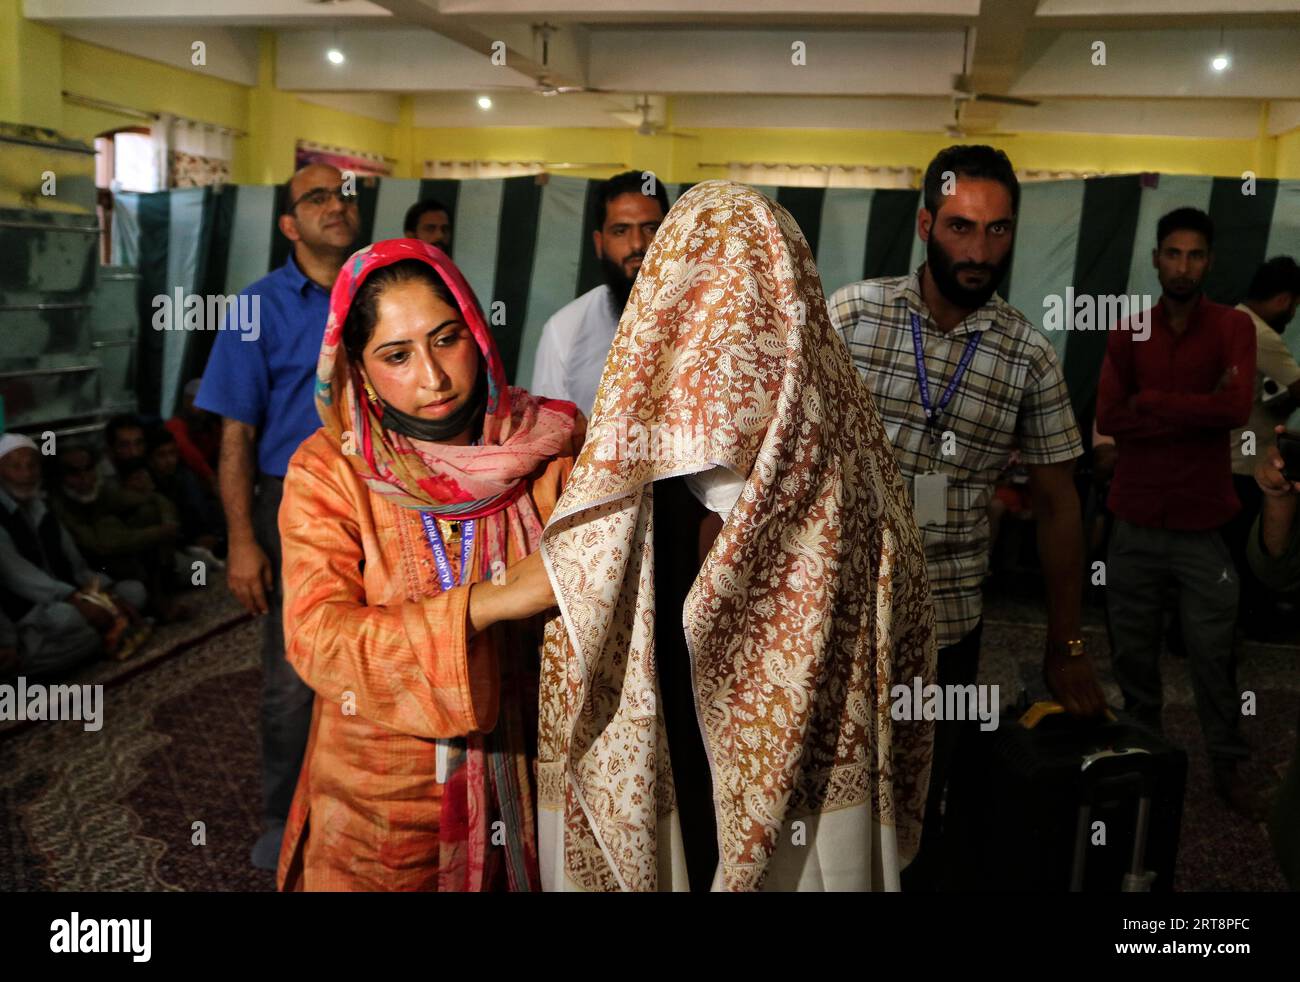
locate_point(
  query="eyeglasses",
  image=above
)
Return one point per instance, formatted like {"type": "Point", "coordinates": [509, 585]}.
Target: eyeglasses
{"type": "Point", "coordinates": [318, 197]}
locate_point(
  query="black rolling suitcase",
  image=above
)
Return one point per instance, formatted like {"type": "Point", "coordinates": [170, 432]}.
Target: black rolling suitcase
{"type": "Point", "coordinates": [1024, 803]}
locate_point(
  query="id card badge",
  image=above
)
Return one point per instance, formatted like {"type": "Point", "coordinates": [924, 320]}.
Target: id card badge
{"type": "Point", "coordinates": [930, 498]}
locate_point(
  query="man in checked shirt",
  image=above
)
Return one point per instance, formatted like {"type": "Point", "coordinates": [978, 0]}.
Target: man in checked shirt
{"type": "Point", "coordinates": [988, 381]}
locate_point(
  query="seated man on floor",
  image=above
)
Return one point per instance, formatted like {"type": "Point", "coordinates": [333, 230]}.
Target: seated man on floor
{"type": "Point", "coordinates": [63, 612]}
{"type": "Point", "coordinates": [203, 526]}
{"type": "Point", "coordinates": [123, 534]}
{"type": "Point", "coordinates": [123, 441]}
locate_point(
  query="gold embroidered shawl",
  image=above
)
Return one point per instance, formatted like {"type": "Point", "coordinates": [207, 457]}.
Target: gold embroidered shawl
{"type": "Point", "coordinates": [812, 603]}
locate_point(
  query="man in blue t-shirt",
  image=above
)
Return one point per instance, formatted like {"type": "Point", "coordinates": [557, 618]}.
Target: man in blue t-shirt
{"type": "Point", "coordinates": [259, 379]}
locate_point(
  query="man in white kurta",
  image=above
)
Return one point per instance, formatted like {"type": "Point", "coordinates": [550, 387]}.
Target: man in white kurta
{"type": "Point", "coordinates": [575, 343]}
{"type": "Point", "coordinates": [576, 340]}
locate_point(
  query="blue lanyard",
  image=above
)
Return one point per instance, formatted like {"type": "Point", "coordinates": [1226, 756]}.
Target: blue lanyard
{"type": "Point", "coordinates": [440, 551]}
{"type": "Point", "coordinates": [443, 747]}
{"type": "Point", "coordinates": [932, 414]}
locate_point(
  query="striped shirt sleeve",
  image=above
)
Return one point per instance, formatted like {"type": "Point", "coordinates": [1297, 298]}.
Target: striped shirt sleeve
{"type": "Point", "coordinates": [1046, 428]}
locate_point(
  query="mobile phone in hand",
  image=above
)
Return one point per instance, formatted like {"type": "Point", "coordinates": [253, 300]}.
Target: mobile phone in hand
{"type": "Point", "coordinates": [1288, 445]}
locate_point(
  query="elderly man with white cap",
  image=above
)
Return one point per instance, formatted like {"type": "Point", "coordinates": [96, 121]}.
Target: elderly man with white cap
{"type": "Point", "coordinates": [47, 590]}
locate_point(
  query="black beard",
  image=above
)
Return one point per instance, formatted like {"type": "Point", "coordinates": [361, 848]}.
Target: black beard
{"type": "Point", "coordinates": [620, 284]}
{"type": "Point", "coordinates": [944, 273]}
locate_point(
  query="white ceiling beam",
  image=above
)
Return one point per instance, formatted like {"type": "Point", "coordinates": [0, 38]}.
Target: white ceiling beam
{"type": "Point", "coordinates": [836, 62]}
{"type": "Point", "coordinates": [564, 66]}
{"type": "Point", "coordinates": [1161, 64]}
{"type": "Point", "coordinates": [1220, 119]}
{"type": "Point", "coordinates": [753, 13]}
{"type": "Point", "coordinates": [1167, 8]}
{"type": "Point", "coordinates": [230, 53]}
{"type": "Point", "coordinates": [1166, 14]}
{"type": "Point", "coordinates": [577, 109]}
{"type": "Point", "coordinates": [810, 112]}
{"type": "Point", "coordinates": [259, 13]}
{"type": "Point", "coordinates": [1283, 116]}
{"type": "Point", "coordinates": [383, 106]}
{"type": "Point", "coordinates": [1212, 119]}
{"type": "Point", "coordinates": [409, 60]}
{"type": "Point", "coordinates": [997, 48]}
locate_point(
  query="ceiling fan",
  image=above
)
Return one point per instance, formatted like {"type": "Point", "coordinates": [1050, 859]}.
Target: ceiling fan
{"type": "Point", "coordinates": [646, 117]}
{"type": "Point", "coordinates": [954, 129]}
{"type": "Point", "coordinates": [645, 125]}
{"type": "Point", "coordinates": [542, 83]}
{"type": "Point", "coordinates": [963, 91]}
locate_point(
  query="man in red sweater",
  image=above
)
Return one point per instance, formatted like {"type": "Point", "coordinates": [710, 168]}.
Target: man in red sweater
{"type": "Point", "coordinates": [1172, 390]}
{"type": "Point", "coordinates": [198, 436]}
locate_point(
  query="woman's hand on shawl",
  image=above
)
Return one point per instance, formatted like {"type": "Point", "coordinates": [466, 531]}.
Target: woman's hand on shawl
{"type": "Point", "coordinates": [526, 592]}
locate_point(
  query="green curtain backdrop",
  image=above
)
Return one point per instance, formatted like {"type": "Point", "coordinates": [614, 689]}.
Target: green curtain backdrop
{"type": "Point", "coordinates": [527, 245]}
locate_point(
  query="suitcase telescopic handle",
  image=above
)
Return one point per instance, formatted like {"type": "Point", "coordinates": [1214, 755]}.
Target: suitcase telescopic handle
{"type": "Point", "coordinates": [1097, 755]}
{"type": "Point", "coordinates": [1138, 879]}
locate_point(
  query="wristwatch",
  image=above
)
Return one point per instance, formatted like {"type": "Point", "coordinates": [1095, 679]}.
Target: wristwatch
{"type": "Point", "coordinates": [1072, 649]}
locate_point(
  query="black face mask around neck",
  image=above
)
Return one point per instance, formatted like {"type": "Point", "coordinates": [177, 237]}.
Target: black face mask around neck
{"type": "Point", "coordinates": [440, 430]}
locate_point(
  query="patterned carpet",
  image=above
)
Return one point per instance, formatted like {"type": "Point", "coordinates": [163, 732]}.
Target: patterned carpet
{"type": "Point", "coordinates": [211, 610]}
{"type": "Point", "coordinates": [115, 810]}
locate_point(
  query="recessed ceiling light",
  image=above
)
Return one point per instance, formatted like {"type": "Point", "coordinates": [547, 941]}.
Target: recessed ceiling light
{"type": "Point", "coordinates": [1220, 62]}
{"type": "Point", "coordinates": [335, 56]}
{"type": "Point", "coordinates": [484, 102]}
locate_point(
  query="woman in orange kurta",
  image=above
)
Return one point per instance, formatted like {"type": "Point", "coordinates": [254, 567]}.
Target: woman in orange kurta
{"type": "Point", "coordinates": [410, 525]}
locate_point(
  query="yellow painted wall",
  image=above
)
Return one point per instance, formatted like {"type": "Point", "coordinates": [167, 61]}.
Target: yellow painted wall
{"type": "Point", "coordinates": [1127, 154]}
{"type": "Point", "coordinates": [1288, 155]}
{"type": "Point", "coordinates": [30, 70]}
{"type": "Point", "coordinates": [322, 124]}
{"type": "Point", "coordinates": [277, 120]}
{"type": "Point", "coordinates": [36, 63]}
{"type": "Point", "coordinates": [274, 120]}
{"type": "Point", "coordinates": [151, 86]}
